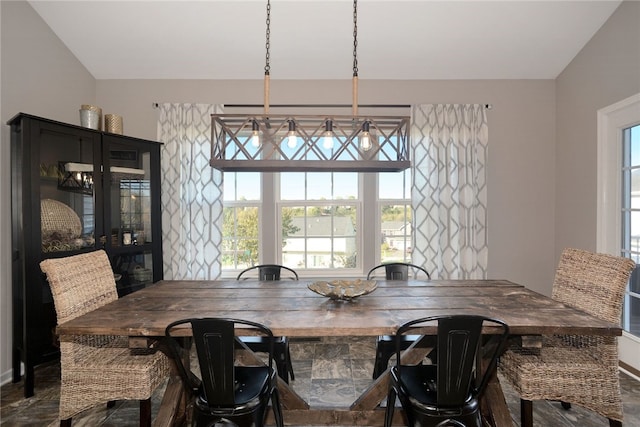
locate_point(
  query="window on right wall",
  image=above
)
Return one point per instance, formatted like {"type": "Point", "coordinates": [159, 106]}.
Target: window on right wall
{"type": "Point", "coordinates": [630, 222]}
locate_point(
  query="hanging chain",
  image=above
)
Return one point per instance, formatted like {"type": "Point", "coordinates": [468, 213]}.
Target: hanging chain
{"type": "Point", "coordinates": [267, 67]}
{"type": "Point", "coordinates": [355, 38]}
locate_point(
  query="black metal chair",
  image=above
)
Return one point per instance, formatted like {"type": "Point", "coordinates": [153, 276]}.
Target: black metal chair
{"type": "Point", "coordinates": [267, 272]}
{"type": "Point", "coordinates": [281, 353]}
{"type": "Point", "coordinates": [225, 393]}
{"type": "Point", "coordinates": [447, 393]}
{"type": "Point", "coordinates": [385, 344]}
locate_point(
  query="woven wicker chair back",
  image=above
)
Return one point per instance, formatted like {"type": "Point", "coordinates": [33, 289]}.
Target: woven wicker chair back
{"type": "Point", "coordinates": [592, 282]}
{"type": "Point", "coordinates": [80, 283]}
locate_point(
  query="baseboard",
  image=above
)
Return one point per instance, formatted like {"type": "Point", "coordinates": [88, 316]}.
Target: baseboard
{"type": "Point", "coordinates": [7, 377]}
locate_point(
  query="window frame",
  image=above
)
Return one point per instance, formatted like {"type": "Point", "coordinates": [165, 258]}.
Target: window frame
{"type": "Point", "coordinates": [611, 121]}
{"type": "Point", "coordinates": [368, 204]}
{"type": "Point", "coordinates": [359, 204]}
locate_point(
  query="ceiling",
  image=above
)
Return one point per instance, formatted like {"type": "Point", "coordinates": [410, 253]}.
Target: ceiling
{"type": "Point", "coordinates": [313, 39]}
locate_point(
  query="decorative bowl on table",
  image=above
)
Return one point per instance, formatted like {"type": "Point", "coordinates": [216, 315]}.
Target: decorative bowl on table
{"type": "Point", "coordinates": [343, 290]}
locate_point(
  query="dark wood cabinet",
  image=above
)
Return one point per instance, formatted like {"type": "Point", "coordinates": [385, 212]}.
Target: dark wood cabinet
{"type": "Point", "coordinates": [76, 190]}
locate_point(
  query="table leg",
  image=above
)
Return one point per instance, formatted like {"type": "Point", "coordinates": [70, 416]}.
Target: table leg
{"type": "Point", "coordinates": [377, 391]}
{"type": "Point", "coordinates": [494, 406]}
{"type": "Point", "coordinates": [172, 409]}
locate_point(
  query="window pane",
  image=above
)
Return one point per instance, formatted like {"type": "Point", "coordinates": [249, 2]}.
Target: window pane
{"type": "Point", "coordinates": [635, 145]}
{"type": "Point", "coordinates": [292, 185]}
{"type": "Point", "coordinates": [319, 236]}
{"type": "Point", "coordinates": [394, 185]}
{"type": "Point", "coordinates": [240, 237]}
{"type": "Point", "coordinates": [248, 186]}
{"type": "Point", "coordinates": [396, 233]}
{"type": "Point", "coordinates": [318, 185]}
{"type": "Point", "coordinates": [241, 186]}
{"type": "Point", "coordinates": [345, 185]}
{"type": "Point", "coordinates": [631, 314]}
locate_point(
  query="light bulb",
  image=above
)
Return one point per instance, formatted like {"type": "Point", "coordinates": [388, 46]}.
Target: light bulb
{"type": "Point", "coordinates": [327, 138]}
{"type": "Point", "coordinates": [292, 139]}
{"type": "Point", "coordinates": [365, 137]}
{"type": "Point", "coordinates": [255, 134]}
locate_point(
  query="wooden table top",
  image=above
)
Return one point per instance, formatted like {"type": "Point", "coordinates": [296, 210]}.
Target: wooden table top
{"type": "Point", "coordinates": [290, 308]}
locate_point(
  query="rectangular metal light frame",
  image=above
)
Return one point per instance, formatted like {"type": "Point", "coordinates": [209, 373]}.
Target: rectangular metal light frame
{"type": "Point", "coordinates": [232, 149]}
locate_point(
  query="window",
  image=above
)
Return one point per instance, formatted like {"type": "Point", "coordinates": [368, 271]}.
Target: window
{"type": "Point", "coordinates": [631, 224]}
{"type": "Point", "coordinates": [319, 216]}
{"type": "Point", "coordinates": [618, 149]}
{"type": "Point", "coordinates": [394, 207]}
{"type": "Point", "coordinates": [314, 220]}
{"type": "Point", "coordinates": [241, 219]}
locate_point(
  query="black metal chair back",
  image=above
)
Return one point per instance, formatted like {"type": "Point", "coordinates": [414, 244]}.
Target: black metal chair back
{"type": "Point", "coordinates": [385, 346]}
{"type": "Point", "coordinates": [268, 272]}
{"type": "Point", "coordinates": [282, 354]}
{"type": "Point", "coordinates": [398, 271]}
{"type": "Point", "coordinates": [225, 392]}
{"type": "Point", "coordinates": [447, 393]}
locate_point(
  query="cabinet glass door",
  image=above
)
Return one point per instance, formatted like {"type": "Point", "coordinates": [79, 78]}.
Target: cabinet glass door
{"type": "Point", "coordinates": [68, 179]}
{"type": "Point", "coordinates": [129, 202]}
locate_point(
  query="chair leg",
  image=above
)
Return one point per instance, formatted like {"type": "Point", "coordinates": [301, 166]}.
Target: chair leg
{"type": "Point", "coordinates": [615, 423]}
{"type": "Point", "coordinates": [290, 365]}
{"type": "Point", "coordinates": [276, 408]}
{"type": "Point", "coordinates": [281, 364]}
{"type": "Point", "coordinates": [391, 403]}
{"type": "Point", "coordinates": [65, 423]}
{"type": "Point", "coordinates": [526, 413]}
{"type": "Point", "coordinates": [145, 413]}
{"type": "Point", "coordinates": [379, 365]}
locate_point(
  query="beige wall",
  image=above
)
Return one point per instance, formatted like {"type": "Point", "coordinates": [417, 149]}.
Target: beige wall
{"type": "Point", "coordinates": [40, 76]}
{"type": "Point", "coordinates": [526, 228]}
{"type": "Point", "coordinates": [521, 148]}
{"type": "Point", "coordinates": [606, 71]}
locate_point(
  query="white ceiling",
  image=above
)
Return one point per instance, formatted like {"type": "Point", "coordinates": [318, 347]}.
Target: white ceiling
{"type": "Point", "coordinates": [313, 39]}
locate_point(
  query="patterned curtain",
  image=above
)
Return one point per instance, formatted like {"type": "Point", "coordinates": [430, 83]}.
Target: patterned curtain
{"type": "Point", "coordinates": [449, 190]}
{"type": "Point", "coordinates": [191, 193]}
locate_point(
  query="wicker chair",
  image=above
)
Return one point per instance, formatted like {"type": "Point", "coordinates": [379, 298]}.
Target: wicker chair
{"type": "Point", "coordinates": [97, 369]}
{"type": "Point", "coordinates": [576, 369]}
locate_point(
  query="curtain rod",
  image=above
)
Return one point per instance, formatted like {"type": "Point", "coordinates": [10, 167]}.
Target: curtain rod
{"type": "Point", "coordinates": [156, 105]}
{"type": "Point", "coordinates": [318, 105]}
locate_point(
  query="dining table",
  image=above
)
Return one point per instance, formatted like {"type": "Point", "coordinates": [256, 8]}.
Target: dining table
{"type": "Point", "coordinates": [290, 309]}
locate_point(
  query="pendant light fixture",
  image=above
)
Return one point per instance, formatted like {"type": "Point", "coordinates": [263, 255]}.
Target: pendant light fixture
{"type": "Point", "coordinates": [278, 142]}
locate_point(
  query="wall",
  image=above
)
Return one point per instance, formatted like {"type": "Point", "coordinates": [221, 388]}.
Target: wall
{"type": "Point", "coordinates": [40, 76]}
{"type": "Point", "coordinates": [606, 71]}
{"type": "Point", "coordinates": [521, 148]}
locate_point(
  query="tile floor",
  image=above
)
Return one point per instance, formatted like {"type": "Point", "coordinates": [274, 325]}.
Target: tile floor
{"type": "Point", "coordinates": [328, 371]}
